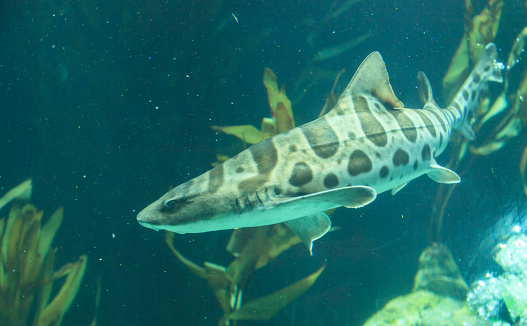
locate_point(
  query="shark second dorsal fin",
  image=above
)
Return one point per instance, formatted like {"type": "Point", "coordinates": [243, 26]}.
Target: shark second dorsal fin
{"type": "Point", "coordinates": [372, 78]}
{"type": "Point", "coordinates": [425, 90]}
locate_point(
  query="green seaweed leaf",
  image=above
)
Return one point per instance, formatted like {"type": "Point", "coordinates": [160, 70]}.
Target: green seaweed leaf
{"type": "Point", "coordinates": [267, 307]}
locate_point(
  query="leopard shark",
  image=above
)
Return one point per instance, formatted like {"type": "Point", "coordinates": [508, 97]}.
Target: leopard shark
{"type": "Point", "coordinates": [367, 144]}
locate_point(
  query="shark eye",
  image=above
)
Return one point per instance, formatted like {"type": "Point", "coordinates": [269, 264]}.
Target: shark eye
{"type": "Point", "coordinates": [174, 204]}
{"type": "Point", "coordinates": [170, 204]}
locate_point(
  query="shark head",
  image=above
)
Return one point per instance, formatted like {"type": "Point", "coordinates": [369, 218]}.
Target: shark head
{"type": "Point", "coordinates": [184, 209]}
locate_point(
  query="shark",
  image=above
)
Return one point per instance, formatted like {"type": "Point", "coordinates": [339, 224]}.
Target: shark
{"type": "Point", "coordinates": [368, 143]}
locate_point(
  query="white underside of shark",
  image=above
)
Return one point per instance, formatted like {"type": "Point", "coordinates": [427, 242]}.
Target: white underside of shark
{"type": "Point", "coordinates": [367, 144]}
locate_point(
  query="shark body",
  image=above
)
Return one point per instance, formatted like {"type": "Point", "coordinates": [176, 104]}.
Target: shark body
{"type": "Point", "coordinates": [367, 144]}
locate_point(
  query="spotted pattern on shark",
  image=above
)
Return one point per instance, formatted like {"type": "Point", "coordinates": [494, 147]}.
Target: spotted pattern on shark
{"type": "Point", "coordinates": [367, 144]}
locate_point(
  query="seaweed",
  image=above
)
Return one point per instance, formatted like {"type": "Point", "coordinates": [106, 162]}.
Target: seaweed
{"type": "Point", "coordinates": [27, 261]}
{"type": "Point", "coordinates": [497, 119]}
{"type": "Point", "coordinates": [254, 248]}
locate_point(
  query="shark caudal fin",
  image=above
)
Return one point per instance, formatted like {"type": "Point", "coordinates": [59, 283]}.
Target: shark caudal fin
{"type": "Point", "coordinates": [488, 69]}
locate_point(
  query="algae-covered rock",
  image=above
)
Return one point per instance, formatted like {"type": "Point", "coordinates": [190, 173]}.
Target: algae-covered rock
{"type": "Point", "coordinates": [426, 308]}
{"type": "Point", "coordinates": [438, 296]}
{"type": "Point", "coordinates": [510, 288]}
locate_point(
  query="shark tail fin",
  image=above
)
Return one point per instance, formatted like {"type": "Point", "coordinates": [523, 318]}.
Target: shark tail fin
{"type": "Point", "coordinates": [466, 100]}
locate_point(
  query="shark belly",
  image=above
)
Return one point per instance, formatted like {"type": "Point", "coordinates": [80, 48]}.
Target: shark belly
{"type": "Point", "coordinates": [367, 144]}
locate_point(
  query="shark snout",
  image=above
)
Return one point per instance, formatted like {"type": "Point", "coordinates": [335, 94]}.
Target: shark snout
{"type": "Point", "coordinates": [146, 220]}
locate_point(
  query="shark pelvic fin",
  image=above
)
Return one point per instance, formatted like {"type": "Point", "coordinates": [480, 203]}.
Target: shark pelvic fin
{"type": "Point", "coordinates": [466, 130]}
{"type": "Point", "coordinates": [372, 78]}
{"type": "Point", "coordinates": [442, 175]}
{"type": "Point", "coordinates": [398, 188]}
{"type": "Point", "coordinates": [310, 228]}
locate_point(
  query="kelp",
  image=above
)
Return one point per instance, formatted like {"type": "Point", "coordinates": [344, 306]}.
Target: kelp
{"type": "Point", "coordinates": [27, 262]}
{"type": "Point", "coordinates": [479, 31]}
{"type": "Point", "coordinates": [281, 115]}
{"type": "Point", "coordinates": [281, 119]}
{"type": "Point", "coordinates": [497, 119]}
{"type": "Point", "coordinates": [254, 248]}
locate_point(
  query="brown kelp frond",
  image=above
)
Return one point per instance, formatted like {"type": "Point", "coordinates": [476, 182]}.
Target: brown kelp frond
{"type": "Point", "coordinates": [497, 119]}
{"type": "Point", "coordinates": [479, 31]}
{"type": "Point", "coordinates": [281, 115]}
{"type": "Point", "coordinates": [54, 312]}
{"type": "Point", "coordinates": [253, 249]}
{"type": "Point", "coordinates": [27, 265]}
{"type": "Point", "coordinates": [267, 307]}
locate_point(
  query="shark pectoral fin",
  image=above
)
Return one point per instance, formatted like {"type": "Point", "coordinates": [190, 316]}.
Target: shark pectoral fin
{"type": "Point", "coordinates": [399, 187]}
{"type": "Point", "coordinates": [442, 175]}
{"type": "Point", "coordinates": [352, 197]}
{"type": "Point", "coordinates": [310, 228]}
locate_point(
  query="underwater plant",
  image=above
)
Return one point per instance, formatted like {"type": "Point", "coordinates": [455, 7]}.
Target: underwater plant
{"type": "Point", "coordinates": [497, 119]}
{"type": "Point", "coordinates": [254, 247]}
{"type": "Point", "coordinates": [27, 259]}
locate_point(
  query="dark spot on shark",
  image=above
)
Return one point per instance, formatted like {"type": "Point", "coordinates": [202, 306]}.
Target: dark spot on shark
{"type": "Point", "coordinates": [440, 140]}
{"type": "Point", "coordinates": [383, 173]}
{"type": "Point", "coordinates": [465, 95]}
{"type": "Point", "coordinates": [292, 148]}
{"type": "Point", "coordinates": [359, 163]}
{"type": "Point", "coordinates": [351, 135]}
{"type": "Point", "coordinates": [428, 123]}
{"type": "Point", "coordinates": [265, 155]}
{"type": "Point", "coordinates": [400, 157]}
{"type": "Point", "coordinates": [473, 95]}
{"type": "Point", "coordinates": [240, 169]}
{"type": "Point", "coordinates": [497, 74]}
{"type": "Point", "coordinates": [476, 77]}
{"type": "Point", "coordinates": [371, 127]}
{"type": "Point", "coordinates": [331, 180]}
{"type": "Point", "coordinates": [321, 137]}
{"type": "Point", "coordinates": [405, 124]}
{"type": "Point", "coordinates": [425, 153]}
{"type": "Point", "coordinates": [377, 154]}
{"type": "Point", "coordinates": [301, 175]}
{"type": "Point", "coordinates": [339, 110]}
{"type": "Point", "coordinates": [416, 165]}
{"type": "Point", "coordinates": [215, 178]}
{"type": "Point", "coordinates": [278, 191]}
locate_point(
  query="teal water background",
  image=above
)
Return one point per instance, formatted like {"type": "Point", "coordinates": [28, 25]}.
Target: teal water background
{"type": "Point", "coordinates": [107, 104]}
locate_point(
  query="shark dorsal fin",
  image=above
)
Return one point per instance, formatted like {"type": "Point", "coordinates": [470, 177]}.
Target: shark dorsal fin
{"type": "Point", "coordinates": [425, 90]}
{"type": "Point", "coordinates": [372, 78]}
